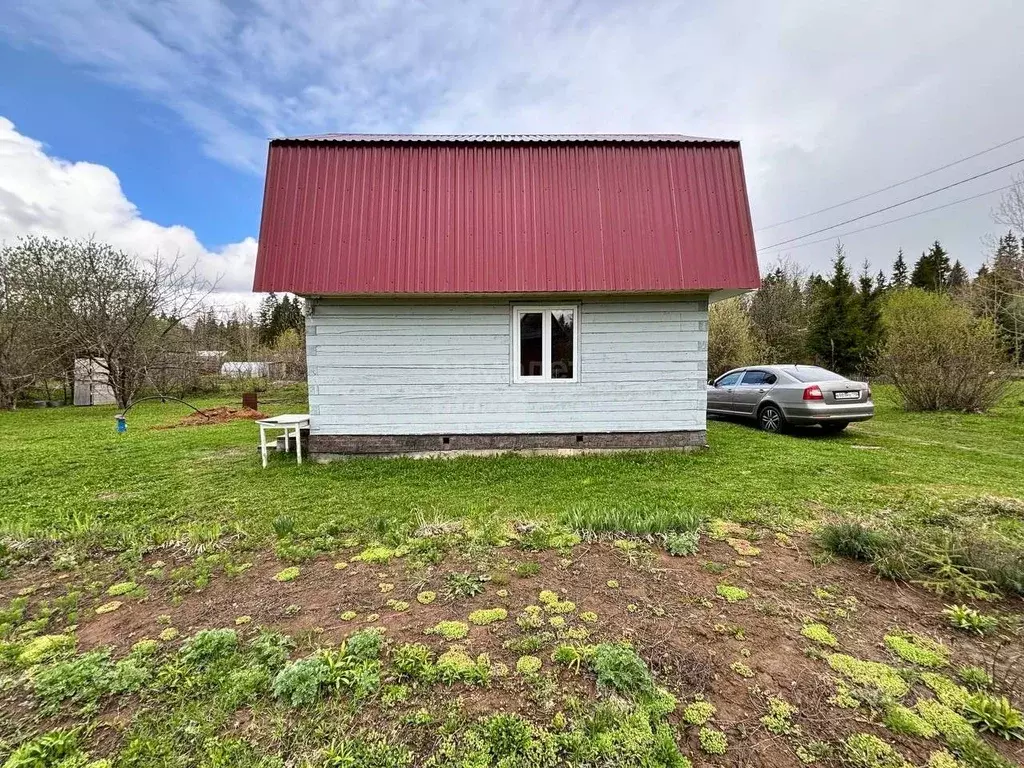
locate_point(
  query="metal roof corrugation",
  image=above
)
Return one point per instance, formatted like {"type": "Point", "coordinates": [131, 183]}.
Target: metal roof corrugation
{"type": "Point", "coordinates": [507, 218]}
{"type": "Point", "coordinates": [506, 138]}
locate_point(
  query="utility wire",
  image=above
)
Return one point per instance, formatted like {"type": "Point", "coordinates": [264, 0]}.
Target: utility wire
{"type": "Point", "coordinates": [892, 186]}
{"type": "Point", "coordinates": [901, 218]}
{"type": "Point", "coordinates": [894, 205]}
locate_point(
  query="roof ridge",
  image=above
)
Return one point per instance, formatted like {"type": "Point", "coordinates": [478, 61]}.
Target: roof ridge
{"type": "Point", "coordinates": [497, 138]}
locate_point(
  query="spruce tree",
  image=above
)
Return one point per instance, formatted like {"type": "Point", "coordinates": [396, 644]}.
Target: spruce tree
{"type": "Point", "coordinates": [931, 272]}
{"type": "Point", "coordinates": [899, 271]}
{"type": "Point", "coordinates": [958, 278]}
{"type": "Point", "coordinates": [266, 326]}
{"type": "Point", "coordinates": [835, 337]}
{"type": "Point", "coordinates": [869, 308]}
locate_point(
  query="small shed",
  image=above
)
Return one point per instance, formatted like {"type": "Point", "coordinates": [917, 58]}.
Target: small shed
{"type": "Point", "coordinates": [493, 293]}
{"type": "Point", "coordinates": [91, 383]}
{"type": "Point", "coordinates": [245, 370]}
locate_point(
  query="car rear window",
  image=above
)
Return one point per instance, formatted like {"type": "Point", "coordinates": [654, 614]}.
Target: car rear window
{"type": "Point", "coordinates": [805, 373]}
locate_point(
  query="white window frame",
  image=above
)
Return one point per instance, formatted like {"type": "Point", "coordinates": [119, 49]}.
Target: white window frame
{"type": "Point", "coordinates": [518, 310]}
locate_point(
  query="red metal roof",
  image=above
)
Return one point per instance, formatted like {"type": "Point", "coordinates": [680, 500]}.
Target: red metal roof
{"type": "Point", "coordinates": [385, 215]}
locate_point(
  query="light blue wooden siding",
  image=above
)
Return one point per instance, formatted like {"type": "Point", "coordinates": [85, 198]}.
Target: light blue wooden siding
{"type": "Point", "coordinates": [396, 367]}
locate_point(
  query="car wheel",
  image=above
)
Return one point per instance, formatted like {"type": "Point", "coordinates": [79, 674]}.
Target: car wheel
{"type": "Point", "coordinates": [835, 427]}
{"type": "Point", "coordinates": [770, 419]}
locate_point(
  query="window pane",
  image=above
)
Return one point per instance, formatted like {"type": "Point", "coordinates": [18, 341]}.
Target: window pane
{"type": "Point", "coordinates": [730, 380]}
{"type": "Point", "coordinates": [753, 378]}
{"type": "Point", "coordinates": [531, 344]}
{"type": "Point", "coordinates": [562, 338]}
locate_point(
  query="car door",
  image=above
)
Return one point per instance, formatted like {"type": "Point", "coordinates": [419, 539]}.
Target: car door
{"type": "Point", "coordinates": [751, 389]}
{"type": "Point", "coordinates": [720, 393]}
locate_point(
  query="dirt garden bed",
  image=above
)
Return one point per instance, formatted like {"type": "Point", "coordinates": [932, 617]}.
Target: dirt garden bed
{"type": "Point", "coordinates": [727, 626]}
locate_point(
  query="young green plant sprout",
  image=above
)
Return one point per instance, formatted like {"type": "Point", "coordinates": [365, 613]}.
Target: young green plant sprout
{"type": "Point", "coordinates": [969, 620]}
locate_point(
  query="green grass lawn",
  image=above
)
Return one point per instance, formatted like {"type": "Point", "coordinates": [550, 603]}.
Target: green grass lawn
{"type": "Point", "coordinates": [67, 471]}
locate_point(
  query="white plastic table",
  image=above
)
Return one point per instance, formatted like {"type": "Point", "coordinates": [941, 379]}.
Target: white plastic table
{"type": "Point", "coordinates": [291, 424]}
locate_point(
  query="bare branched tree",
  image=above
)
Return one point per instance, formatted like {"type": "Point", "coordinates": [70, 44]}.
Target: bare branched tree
{"type": "Point", "coordinates": [1010, 212]}
{"type": "Point", "coordinates": [22, 356]}
{"type": "Point", "coordinates": [99, 303]}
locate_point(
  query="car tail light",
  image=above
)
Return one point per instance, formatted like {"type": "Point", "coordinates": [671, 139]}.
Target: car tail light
{"type": "Point", "coordinates": [813, 393]}
{"type": "Point", "coordinates": [869, 393]}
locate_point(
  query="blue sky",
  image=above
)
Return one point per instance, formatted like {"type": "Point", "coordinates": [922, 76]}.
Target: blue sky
{"type": "Point", "coordinates": [145, 122]}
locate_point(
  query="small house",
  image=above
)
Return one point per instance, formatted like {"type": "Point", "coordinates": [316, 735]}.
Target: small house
{"type": "Point", "coordinates": [494, 293]}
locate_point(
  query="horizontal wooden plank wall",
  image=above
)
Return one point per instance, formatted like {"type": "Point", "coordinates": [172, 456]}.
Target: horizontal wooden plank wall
{"type": "Point", "coordinates": [416, 368]}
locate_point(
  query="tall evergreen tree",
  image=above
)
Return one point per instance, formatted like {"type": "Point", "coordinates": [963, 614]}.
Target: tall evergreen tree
{"type": "Point", "coordinates": [869, 309]}
{"type": "Point", "coordinates": [899, 271]}
{"type": "Point", "coordinates": [958, 278]}
{"type": "Point", "coordinates": [834, 334]}
{"type": "Point", "coordinates": [931, 272]}
{"type": "Point", "coordinates": [269, 309]}
{"type": "Point", "coordinates": [998, 294]}
{"type": "Point", "coordinates": [880, 284]}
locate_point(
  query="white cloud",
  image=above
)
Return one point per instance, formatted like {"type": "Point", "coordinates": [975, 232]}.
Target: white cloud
{"type": "Point", "coordinates": [44, 195]}
{"type": "Point", "coordinates": [829, 99]}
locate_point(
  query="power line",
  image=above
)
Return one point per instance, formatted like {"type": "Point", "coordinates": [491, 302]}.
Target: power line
{"type": "Point", "coordinates": [894, 205]}
{"type": "Point", "coordinates": [901, 218]}
{"type": "Point", "coordinates": [892, 186]}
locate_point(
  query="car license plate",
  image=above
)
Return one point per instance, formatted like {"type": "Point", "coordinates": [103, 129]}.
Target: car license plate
{"type": "Point", "coordinates": [847, 395]}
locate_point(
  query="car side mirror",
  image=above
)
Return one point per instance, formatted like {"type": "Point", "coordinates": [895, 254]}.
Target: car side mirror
{"type": "Point", "coordinates": [711, 383]}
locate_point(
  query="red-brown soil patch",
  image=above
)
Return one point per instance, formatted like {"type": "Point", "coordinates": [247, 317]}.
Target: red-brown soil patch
{"type": "Point", "coordinates": [666, 606]}
{"type": "Point", "coordinates": [220, 415]}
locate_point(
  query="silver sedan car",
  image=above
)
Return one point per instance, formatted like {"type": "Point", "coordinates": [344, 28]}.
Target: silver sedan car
{"type": "Point", "coordinates": [777, 396]}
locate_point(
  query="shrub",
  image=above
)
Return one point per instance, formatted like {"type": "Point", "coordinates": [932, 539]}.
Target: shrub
{"type": "Point", "coordinates": [620, 668]}
{"type": "Point", "coordinates": [731, 341]}
{"type": "Point", "coordinates": [994, 714]}
{"type": "Point", "coordinates": [507, 735]}
{"type": "Point", "coordinates": [938, 355]}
